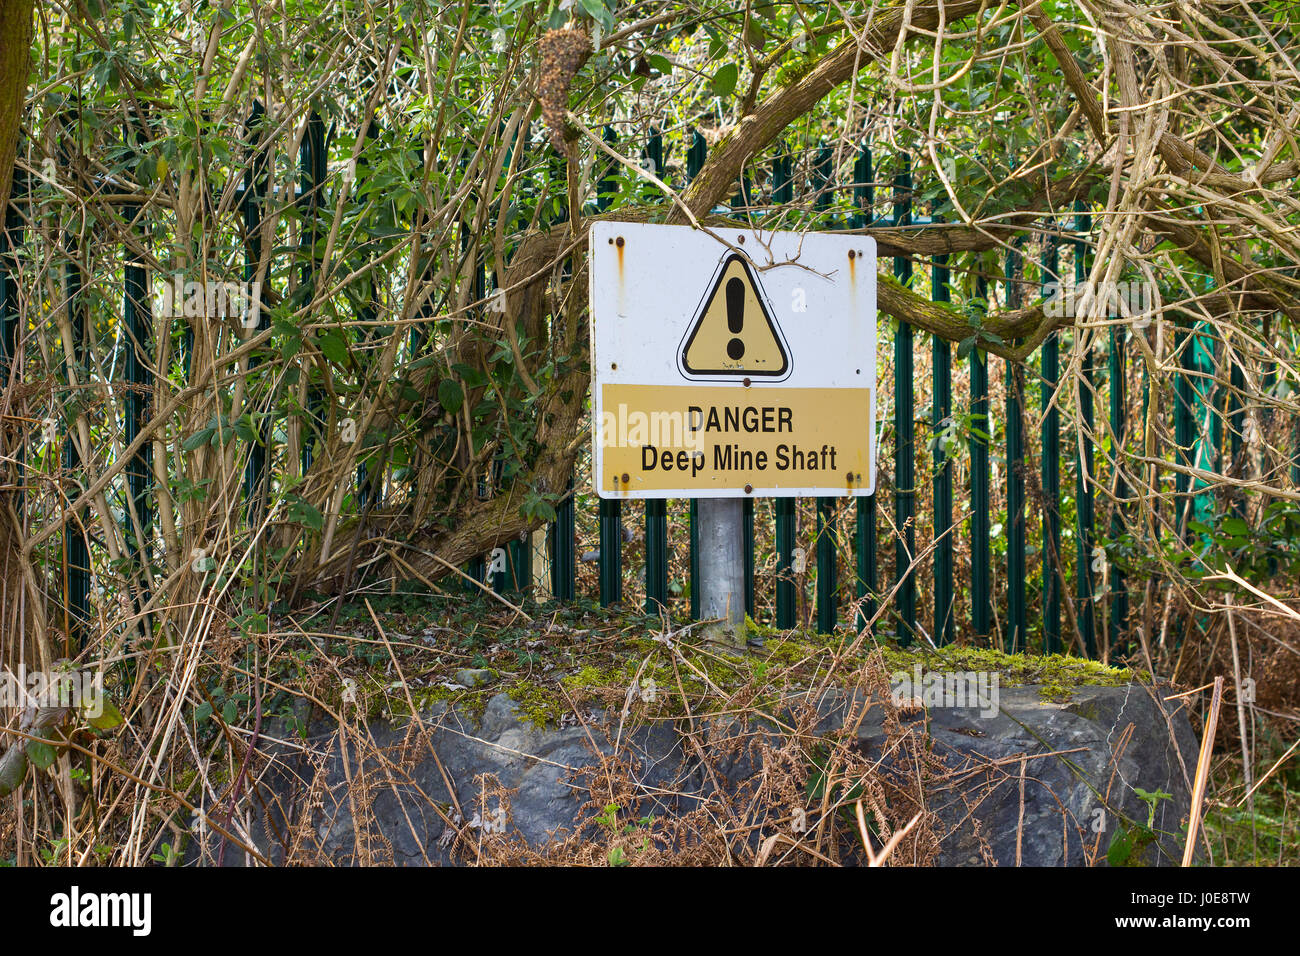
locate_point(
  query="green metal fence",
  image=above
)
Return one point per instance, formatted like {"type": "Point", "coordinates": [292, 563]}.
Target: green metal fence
{"type": "Point", "coordinates": [960, 513]}
{"type": "Point", "coordinates": [902, 590]}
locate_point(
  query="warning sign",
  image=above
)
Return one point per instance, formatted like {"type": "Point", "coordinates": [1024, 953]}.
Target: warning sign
{"type": "Point", "coordinates": [734, 332]}
{"type": "Point", "coordinates": [731, 364]}
{"type": "Point", "coordinates": [668, 438]}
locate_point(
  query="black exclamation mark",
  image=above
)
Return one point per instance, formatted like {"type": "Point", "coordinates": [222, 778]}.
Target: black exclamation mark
{"type": "Point", "coordinates": [735, 316]}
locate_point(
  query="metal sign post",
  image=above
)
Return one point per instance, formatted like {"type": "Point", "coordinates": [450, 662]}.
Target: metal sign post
{"type": "Point", "coordinates": [722, 570]}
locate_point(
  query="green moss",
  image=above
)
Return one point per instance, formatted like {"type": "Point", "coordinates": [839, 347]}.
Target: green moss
{"type": "Point", "coordinates": [540, 705]}
{"type": "Point", "coordinates": [595, 655]}
{"type": "Point", "coordinates": [606, 683]}
{"type": "Point", "coordinates": [471, 703]}
{"type": "Point", "coordinates": [1058, 693]}
{"type": "Point", "coordinates": [754, 629]}
{"type": "Point", "coordinates": [1056, 674]}
{"type": "Point", "coordinates": [186, 780]}
{"type": "Point", "coordinates": [795, 69]}
{"type": "Point", "coordinates": [592, 676]}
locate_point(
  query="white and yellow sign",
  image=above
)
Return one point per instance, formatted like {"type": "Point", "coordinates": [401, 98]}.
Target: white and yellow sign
{"type": "Point", "coordinates": [734, 366]}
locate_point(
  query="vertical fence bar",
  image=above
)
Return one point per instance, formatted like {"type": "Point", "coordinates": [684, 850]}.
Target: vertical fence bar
{"type": "Point", "coordinates": [1208, 442]}
{"type": "Point", "coordinates": [1268, 377]}
{"type": "Point", "coordinates": [826, 530]}
{"type": "Point", "coordinates": [864, 198]}
{"type": "Point", "coordinates": [426, 256]}
{"type": "Point", "coordinates": [783, 193]}
{"type": "Point", "coordinates": [1295, 433]}
{"type": "Point", "coordinates": [695, 156]}
{"type": "Point", "coordinates": [607, 185]}
{"type": "Point", "coordinates": [366, 315]}
{"type": "Point", "coordinates": [1184, 422]}
{"type": "Point", "coordinates": [76, 547]}
{"type": "Point", "coordinates": [1118, 404]}
{"type": "Point", "coordinates": [611, 551]}
{"type": "Point", "coordinates": [311, 161]}
{"type": "Point", "coordinates": [253, 203]}
{"type": "Point", "coordinates": [611, 509]}
{"type": "Point", "coordinates": [1236, 424]}
{"type": "Point", "coordinates": [563, 558]}
{"type": "Point", "coordinates": [656, 509]}
{"type": "Point", "coordinates": [747, 543]}
{"type": "Point", "coordinates": [945, 624]}
{"type": "Point", "coordinates": [478, 567]}
{"type": "Point", "coordinates": [1295, 454]}
{"type": "Point", "coordinates": [740, 198]}
{"type": "Point", "coordinates": [139, 361]}
{"type": "Point", "coordinates": [783, 179]}
{"type": "Point", "coordinates": [904, 426]}
{"type": "Point", "coordinates": [654, 151]}
{"type": "Point", "coordinates": [656, 555]}
{"type": "Point", "coordinates": [1189, 422]}
{"type": "Point", "coordinates": [826, 604]}
{"type": "Point", "coordinates": [785, 585]}
{"type": "Point", "coordinates": [981, 555]}
{"type": "Point", "coordinates": [563, 531]}
{"type": "Point", "coordinates": [694, 558]}
{"type": "Point", "coordinates": [1051, 463]}
{"type": "Point", "coordinates": [519, 565]}
{"type": "Point", "coordinates": [1216, 395]}
{"type": "Point", "coordinates": [10, 238]}
{"type": "Point", "coordinates": [1015, 445]}
{"type": "Point", "coordinates": [1213, 397]}
{"type": "Point", "coordinates": [1083, 472]}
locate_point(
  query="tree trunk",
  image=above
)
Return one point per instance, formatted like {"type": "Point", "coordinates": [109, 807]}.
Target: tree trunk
{"type": "Point", "coordinates": [15, 45]}
{"type": "Point", "coordinates": [18, 629]}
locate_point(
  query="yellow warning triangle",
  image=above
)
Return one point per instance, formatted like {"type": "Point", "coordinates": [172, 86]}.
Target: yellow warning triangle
{"type": "Point", "coordinates": [734, 332]}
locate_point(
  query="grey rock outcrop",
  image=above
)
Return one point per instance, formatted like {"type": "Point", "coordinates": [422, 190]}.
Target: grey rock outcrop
{"type": "Point", "coordinates": [1042, 783]}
